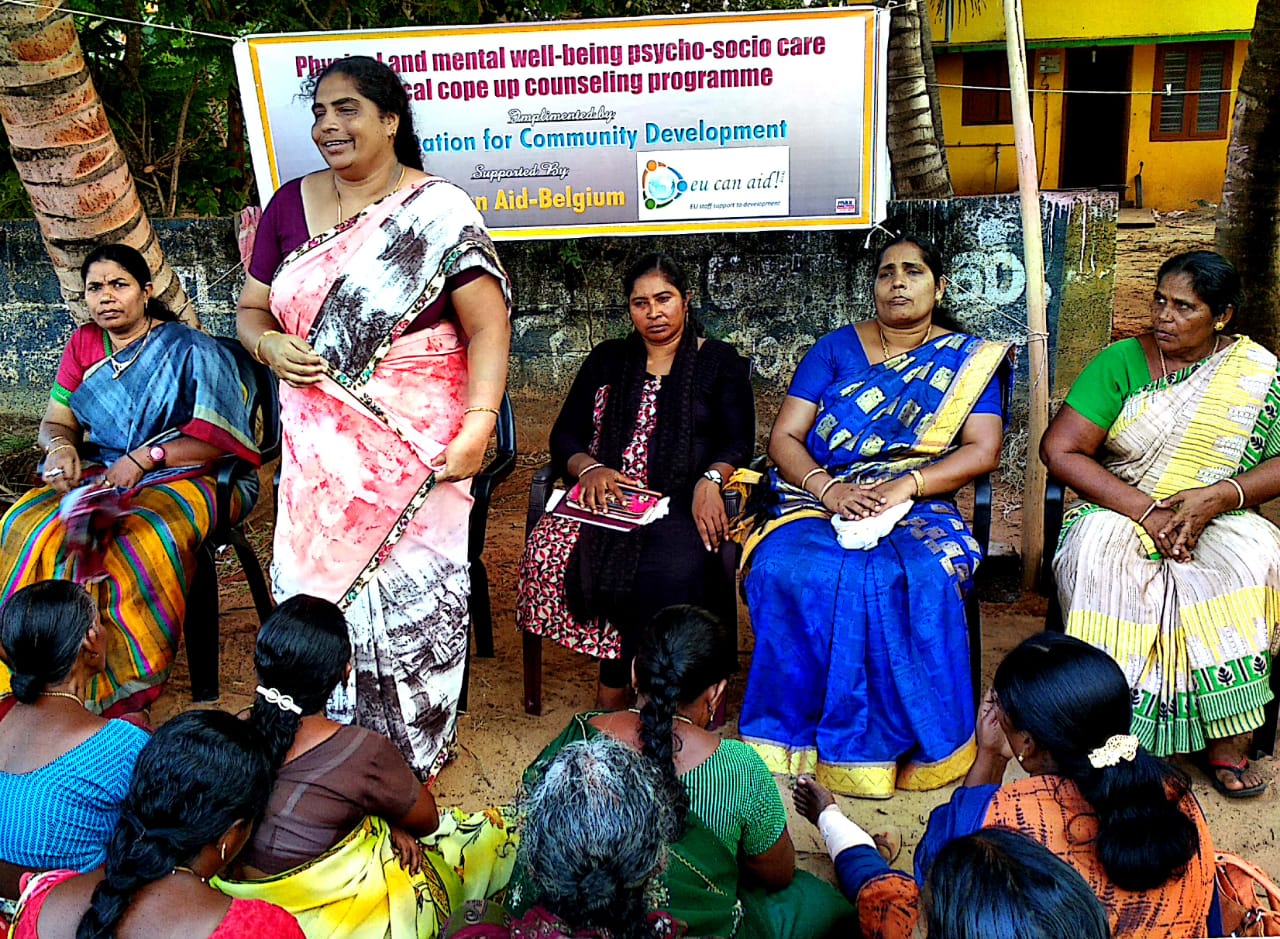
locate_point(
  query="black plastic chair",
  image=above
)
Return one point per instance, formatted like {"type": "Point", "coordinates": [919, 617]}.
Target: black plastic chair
{"type": "Point", "coordinates": [1264, 738]}
{"type": "Point", "coordinates": [499, 468]}
{"type": "Point", "coordinates": [724, 604]}
{"type": "Point", "coordinates": [201, 625]}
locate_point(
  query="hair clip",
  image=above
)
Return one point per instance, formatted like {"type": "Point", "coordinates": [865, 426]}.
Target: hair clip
{"type": "Point", "coordinates": [1118, 747]}
{"type": "Point", "coordinates": [283, 701]}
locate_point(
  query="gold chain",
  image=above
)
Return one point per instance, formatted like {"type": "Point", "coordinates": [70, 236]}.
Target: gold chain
{"type": "Point", "coordinates": [884, 345]}
{"type": "Point", "coordinates": [1164, 369]}
{"type": "Point", "coordinates": [338, 195]}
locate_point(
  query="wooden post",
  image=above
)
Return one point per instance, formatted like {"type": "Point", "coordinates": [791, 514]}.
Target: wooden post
{"type": "Point", "coordinates": [1037, 319]}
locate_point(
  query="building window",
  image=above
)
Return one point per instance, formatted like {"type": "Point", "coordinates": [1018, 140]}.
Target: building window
{"type": "Point", "coordinates": [986, 70]}
{"type": "Point", "coordinates": [1203, 67]}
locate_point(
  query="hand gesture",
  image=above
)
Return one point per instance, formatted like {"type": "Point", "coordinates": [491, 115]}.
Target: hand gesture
{"type": "Point", "coordinates": [407, 849]}
{"type": "Point", "coordinates": [464, 456]}
{"type": "Point", "coordinates": [1193, 510]}
{"type": "Point", "coordinates": [990, 735]}
{"type": "Point", "coordinates": [709, 514]}
{"type": "Point", "coordinates": [62, 468]}
{"type": "Point", "coordinates": [124, 473]}
{"type": "Point", "coordinates": [599, 486]}
{"type": "Point", "coordinates": [291, 358]}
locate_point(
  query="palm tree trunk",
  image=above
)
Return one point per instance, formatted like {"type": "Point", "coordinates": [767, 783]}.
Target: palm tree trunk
{"type": "Point", "coordinates": [916, 153]}
{"type": "Point", "coordinates": [1248, 226]}
{"type": "Point", "coordinates": [74, 171]}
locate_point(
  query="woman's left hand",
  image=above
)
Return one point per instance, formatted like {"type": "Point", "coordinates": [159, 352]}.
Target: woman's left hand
{"type": "Point", "coordinates": [894, 491]}
{"type": "Point", "coordinates": [407, 849]}
{"type": "Point", "coordinates": [124, 473]}
{"type": "Point", "coordinates": [1193, 510]}
{"type": "Point", "coordinates": [463, 457]}
{"type": "Point", "coordinates": [709, 514]}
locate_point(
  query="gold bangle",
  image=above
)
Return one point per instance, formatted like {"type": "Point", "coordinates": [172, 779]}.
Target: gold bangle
{"type": "Point", "coordinates": [809, 475]}
{"type": "Point", "coordinates": [1143, 517]}
{"type": "Point", "coordinates": [830, 482]}
{"type": "Point", "coordinates": [478, 410]}
{"type": "Point", "coordinates": [919, 478]}
{"type": "Point", "coordinates": [258, 345]}
{"type": "Point", "coordinates": [52, 450]}
{"type": "Point", "coordinates": [1239, 489]}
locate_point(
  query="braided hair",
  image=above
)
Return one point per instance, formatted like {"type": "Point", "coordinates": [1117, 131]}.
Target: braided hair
{"type": "Point", "coordinates": [198, 775]}
{"type": "Point", "coordinates": [302, 651]}
{"type": "Point", "coordinates": [602, 567]}
{"type": "Point", "coordinates": [1071, 698]}
{"type": "Point", "coordinates": [42, 628]}
{"type": "Point", "coordinates": [684, 651]}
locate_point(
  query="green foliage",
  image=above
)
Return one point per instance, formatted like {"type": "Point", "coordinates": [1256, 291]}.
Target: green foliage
{"type": "Point", "coordinates": [173, 101]}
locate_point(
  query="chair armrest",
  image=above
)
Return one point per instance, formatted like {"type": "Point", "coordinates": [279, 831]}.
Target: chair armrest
{"type": "Point", "coordinates": [539, 491]}
{"type": "Point", "coordinates": [1055, 492]}
{"type": "Point", "coordinates": [982, 512]}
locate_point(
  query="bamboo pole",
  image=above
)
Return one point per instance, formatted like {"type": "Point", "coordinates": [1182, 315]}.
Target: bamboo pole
{"type": "Point", "coordinates": [1037, 319]}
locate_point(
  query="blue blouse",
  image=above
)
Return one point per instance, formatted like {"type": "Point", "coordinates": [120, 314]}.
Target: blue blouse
{"type": "Point", "coordinates": [62, 814]}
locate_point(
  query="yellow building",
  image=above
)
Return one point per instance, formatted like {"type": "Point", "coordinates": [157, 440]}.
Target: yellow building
{"type": "Point", "coordinates": [1165, 149]}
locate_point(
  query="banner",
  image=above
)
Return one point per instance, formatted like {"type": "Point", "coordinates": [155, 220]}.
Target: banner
{"type": "Point", "coordinates": [722, 122]}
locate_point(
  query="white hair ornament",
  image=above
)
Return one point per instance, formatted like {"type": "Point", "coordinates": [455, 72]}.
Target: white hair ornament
{"type": "Point", "coordinates": [1118, 747]}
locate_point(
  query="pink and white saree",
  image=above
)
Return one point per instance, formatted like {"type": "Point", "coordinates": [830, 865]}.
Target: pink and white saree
{"type": "Point", "coordinates": [360, 520]}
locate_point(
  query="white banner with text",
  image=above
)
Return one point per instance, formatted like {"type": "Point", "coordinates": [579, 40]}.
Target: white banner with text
{"type": "Point", "coordinates": [748, 122]}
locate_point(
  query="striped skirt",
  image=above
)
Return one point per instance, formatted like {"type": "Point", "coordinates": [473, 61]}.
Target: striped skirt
{"type": "Point", "coordinates": [143, 598]}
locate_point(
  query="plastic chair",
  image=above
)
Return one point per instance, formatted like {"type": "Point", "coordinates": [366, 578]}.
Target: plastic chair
{"type": "Point", "coordinates": [499, 468]}
{"type": "Point", "coordinates": [200, 627]}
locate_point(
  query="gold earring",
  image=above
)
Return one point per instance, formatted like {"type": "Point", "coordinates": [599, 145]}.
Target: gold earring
{"type": "Point", "coordinates": [222, 851]}
{"type": "Point", "coordinates": [1218, 326]}
{"type": "Point", "coordinates": [1020, 756]}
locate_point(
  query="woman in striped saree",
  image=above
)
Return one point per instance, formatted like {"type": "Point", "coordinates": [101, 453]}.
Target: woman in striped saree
{"type": "Point", "coordinates": [141, 407]}
{"type": "Point", "coordinates": [1169, 439]}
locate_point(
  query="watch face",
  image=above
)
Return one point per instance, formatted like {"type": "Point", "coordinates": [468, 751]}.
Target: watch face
{"type": "Point", "coordinates": [157, 454]}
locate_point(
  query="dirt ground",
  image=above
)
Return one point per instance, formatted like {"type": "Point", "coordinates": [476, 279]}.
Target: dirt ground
{"type": "Point", "coordinates": [496, 739]}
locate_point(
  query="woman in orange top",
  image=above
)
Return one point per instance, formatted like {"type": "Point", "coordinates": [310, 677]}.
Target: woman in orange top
{"type": "Point", "coordinates": [1124, 819]}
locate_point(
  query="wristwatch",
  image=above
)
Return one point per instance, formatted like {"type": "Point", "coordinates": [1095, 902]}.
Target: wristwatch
{"type": "Point", "coordinates": [714, 476]}
{"type": "Point", "coordinates": [157, 455]}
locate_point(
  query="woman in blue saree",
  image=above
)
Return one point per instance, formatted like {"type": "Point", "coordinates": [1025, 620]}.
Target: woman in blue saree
{"type": "Point", "coordinates": [141, 407]}
{"type": "Point", "coordinates": [860, 673]}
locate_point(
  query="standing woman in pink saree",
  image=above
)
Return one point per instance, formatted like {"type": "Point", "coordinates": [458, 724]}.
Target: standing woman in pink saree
{"type": "Point", "coordinates": [376, 296]}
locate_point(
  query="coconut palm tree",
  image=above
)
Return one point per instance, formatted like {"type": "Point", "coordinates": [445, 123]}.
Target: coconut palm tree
{"type": "Point", "coordinates": [917, 153]}
{"type": "Point", "coordinates": [1248, 228]}
{"type": "Point", "coordinates": [74, 171]}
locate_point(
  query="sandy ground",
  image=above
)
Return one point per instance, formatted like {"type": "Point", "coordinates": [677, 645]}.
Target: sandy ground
{"type": "Point", "coordinates": [496, 739]}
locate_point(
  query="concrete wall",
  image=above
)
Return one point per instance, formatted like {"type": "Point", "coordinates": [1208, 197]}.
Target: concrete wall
{"type": "Point", "coordinates": [771, 295]}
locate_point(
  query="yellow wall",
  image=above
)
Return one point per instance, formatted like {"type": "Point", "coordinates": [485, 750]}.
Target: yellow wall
{"type": "Point", "coordinates": [1097, 19]}
{"type": "Point", "coordinates": [1176, 173]}
{"type": "Point", "coordinates": [971, 150]}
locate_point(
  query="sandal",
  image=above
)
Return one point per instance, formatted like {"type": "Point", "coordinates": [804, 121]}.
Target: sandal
{"type": "Point", "coordinates": [1210, 768]}
{"type": "Point", "coordinates": [889, 843]}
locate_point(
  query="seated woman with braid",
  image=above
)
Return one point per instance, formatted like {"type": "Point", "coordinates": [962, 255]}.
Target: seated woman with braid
{"type": "Point", "coordinates": [63, 771]}
{"type": "Point", "coordinates": [198, 788]}
{"type": "Point", "coordinates": [732, 861]}
{"type": "Point", "coordinates": [346, 806]}
{"type": "Point", "coordinates": [1124, 819]}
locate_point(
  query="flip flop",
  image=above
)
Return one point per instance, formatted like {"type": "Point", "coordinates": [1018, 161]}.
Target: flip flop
{"type": "Point", "coordinates": [1210, 768]}
{"type": "Point", "coordinates": [889, 843]}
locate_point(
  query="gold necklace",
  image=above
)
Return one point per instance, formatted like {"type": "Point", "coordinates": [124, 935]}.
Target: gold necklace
{"type": "Point", "coordinates": [674, 717]}
{"type": "Point", "coordinates": [116, 368]}
{"type": "Point", "coordinates": [884, 346]}
{"type": "Point", "coordinates": [1164, 370]}
{"type": "Point", "coordinates": [338, 195]}
{"type": "Point", "coordinates": [187, 870]}
{"type": "Point", "coordinates": [63, 694]}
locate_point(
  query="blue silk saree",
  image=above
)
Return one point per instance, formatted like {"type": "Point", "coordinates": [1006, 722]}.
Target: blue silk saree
{"type": "Point", "coordinates": [861, 666]}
